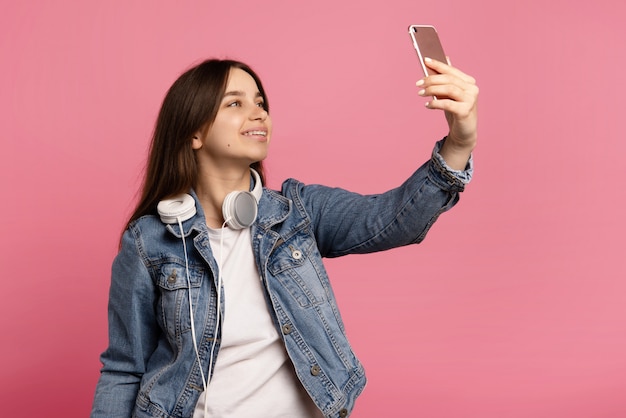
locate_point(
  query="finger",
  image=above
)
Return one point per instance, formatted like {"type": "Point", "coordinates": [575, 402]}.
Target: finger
{"type": "Point", "coordinates": [461, 104]}
{"type": "Point", "coordinates": [445, 81]}
{"type": "Point", "coordinates": [456, 110]}
{"type": "Point", "coordinates": [443, 68]}
{"type": "Point", "coordinates": [448, 91]}
{"type": "Point", "coordinates": [461, 92]}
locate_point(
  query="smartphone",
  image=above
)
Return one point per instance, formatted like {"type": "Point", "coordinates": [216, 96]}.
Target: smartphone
{"type": "Point", "coordinates": [426, 43]}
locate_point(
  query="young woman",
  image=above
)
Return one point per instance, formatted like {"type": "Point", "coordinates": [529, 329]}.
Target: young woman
{"type": "Point", "coordinates": [219, 302]}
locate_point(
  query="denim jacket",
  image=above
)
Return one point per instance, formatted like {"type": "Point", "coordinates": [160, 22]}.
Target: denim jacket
{"type": "Point", "coordinates": [150, 367]}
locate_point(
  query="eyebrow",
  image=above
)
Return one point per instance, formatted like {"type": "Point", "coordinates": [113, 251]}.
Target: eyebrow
{"type": "Point", "coordinates": [240, 93]}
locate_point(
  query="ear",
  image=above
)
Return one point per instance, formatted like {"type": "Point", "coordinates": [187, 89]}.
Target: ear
{"type": "Point", "coordinates": [196, 141]}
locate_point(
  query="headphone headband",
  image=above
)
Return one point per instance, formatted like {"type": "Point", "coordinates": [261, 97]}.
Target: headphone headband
{"type": "Point", "coordinates": [257, 191]}
{"type": "Point", "coordinates": [239, 208]}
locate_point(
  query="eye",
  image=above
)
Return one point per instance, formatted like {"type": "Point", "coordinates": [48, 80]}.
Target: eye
{"type": "Point", "coordinates": [236, 103]}
{"type": "Point", "coordinates": [261, 104]}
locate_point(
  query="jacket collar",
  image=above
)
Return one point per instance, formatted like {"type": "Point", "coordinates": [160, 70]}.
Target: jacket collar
{"type": "Point", "coordinates": [273, 208]}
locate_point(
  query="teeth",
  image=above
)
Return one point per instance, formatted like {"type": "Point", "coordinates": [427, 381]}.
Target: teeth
{"type": "Point", "coordinates": [256, 133]}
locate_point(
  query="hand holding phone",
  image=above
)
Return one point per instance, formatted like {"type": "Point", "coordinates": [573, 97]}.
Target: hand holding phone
{"type": "Point", "coordinates": [461, 110]}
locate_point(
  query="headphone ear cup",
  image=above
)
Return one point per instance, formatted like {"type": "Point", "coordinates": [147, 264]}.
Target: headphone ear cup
{"type": "Point", "coordinates": [239, 209]}
{"type": "Point", "coordinates": [170, 210]}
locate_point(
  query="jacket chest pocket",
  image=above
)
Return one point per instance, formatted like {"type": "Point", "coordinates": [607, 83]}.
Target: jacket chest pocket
{"type": "Point", "coordinates": [173, 307]}
{"type": "Point", "coordinates": [296, 266]}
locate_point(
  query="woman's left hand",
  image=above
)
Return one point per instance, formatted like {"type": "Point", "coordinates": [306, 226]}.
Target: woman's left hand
{"type": "Point", "coordinates": [457, 96]}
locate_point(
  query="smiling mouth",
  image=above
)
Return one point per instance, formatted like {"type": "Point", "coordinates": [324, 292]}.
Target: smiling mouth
{"type": "Point", "coordinates": [255, 133]}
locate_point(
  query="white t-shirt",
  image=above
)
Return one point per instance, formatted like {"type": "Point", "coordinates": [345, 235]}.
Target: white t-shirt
{"type": "Point", "coordinates": [253, 375]}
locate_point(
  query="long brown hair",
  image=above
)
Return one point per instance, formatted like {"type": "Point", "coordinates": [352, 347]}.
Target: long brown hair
{"type": "Point", "coordinates": [191, 104]}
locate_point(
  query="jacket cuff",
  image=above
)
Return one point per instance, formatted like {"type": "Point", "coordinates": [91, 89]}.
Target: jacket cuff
{"type": "Point", "coordinates": [446, 177]}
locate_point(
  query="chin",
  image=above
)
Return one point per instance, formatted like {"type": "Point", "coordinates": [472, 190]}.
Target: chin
{"type": "Point", "coordinates": [259, 157]}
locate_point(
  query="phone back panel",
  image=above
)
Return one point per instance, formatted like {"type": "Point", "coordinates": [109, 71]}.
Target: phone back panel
{"type": "Point", "coordinates": [427, 44]}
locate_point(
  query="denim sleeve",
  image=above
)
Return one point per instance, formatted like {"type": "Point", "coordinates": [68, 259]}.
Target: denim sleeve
{"type": "Point", "coordinates": [132, 333]}
{"type": "Point", "coordinates": [349, 223]}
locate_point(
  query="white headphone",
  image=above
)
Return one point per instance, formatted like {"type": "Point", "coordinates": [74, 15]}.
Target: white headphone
{"type": "Point", "coordinates": [239, 208]}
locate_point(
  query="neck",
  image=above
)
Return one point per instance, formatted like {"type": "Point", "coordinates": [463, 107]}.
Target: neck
{"type": "Point", "coordinates": [212, 189]}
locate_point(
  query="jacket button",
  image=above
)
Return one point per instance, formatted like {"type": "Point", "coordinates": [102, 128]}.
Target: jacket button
{"type": "Point", "coordinates": [172, 277]}
{"type": "Point", "coordinates": [315, 370]}
{"type": "Point", "coordinates": [343, 413]}
{"type": "Point", "coordinates": [287, 328]}
{"type": "Point", "coordinates": [296, 254]}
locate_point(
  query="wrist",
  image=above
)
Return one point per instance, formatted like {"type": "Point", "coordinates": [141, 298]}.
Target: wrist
{"type": "Point", "coordinates": [456, 153]}
{"type": "Point", "coordinates": [461, 146]}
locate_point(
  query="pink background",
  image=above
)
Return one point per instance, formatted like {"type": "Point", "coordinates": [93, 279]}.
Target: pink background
{"type": "Point", "coordinates": [514, 306]}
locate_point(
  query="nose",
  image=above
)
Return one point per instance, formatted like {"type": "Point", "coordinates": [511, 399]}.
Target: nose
{"type": "Point", "coordinates": [258, 113]}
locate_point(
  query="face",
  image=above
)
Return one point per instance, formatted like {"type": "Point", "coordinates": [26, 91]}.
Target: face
{"type": "Point", "coordinates": [241, 131]}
